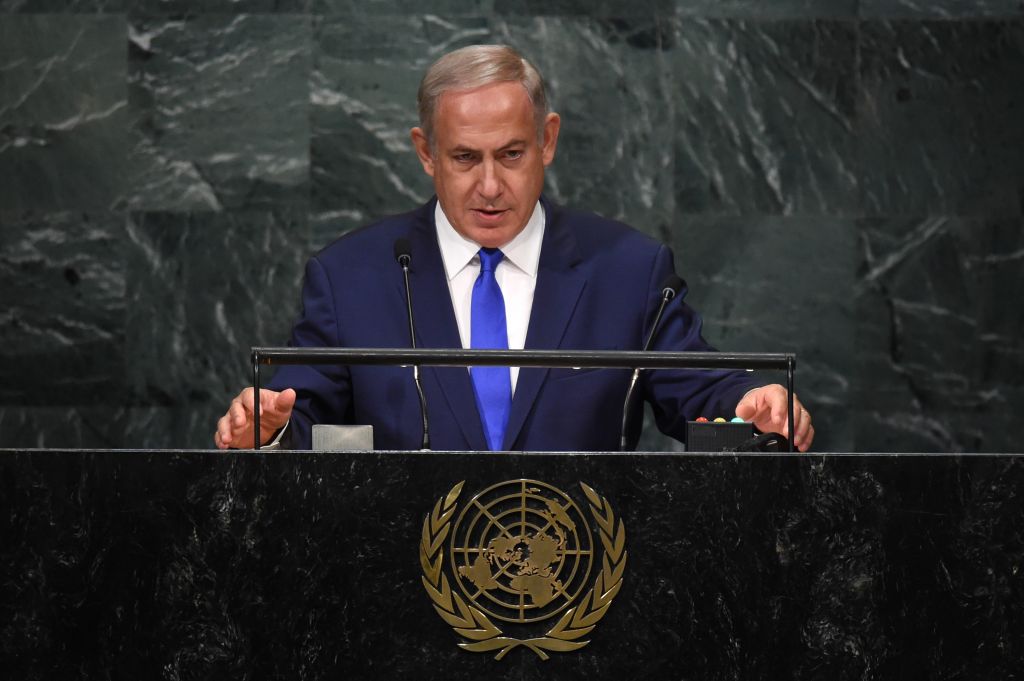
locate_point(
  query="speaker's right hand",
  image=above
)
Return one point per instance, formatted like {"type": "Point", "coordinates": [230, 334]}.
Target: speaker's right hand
{"type": "Point", "coordinates": [235, 428]}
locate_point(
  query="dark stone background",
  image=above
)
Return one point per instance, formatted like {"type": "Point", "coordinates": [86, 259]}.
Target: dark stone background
{"type": "Point", "coordinates": [842, 179]}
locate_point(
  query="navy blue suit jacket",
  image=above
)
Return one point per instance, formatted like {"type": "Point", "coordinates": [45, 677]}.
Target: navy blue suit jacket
{"type": "Point", "coordinates": [598, 288]}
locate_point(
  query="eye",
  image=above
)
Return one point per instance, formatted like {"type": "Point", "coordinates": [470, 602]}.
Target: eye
{"type": "Point", "coordinates": [514, 154]}
{"type": "Point", "coordinates": [463, 157]}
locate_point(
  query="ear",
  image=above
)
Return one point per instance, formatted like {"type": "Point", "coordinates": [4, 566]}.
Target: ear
{"type": "Point", "coordinates": [552, 124]}
{"type": "Point", "coordinates": [422, 146]}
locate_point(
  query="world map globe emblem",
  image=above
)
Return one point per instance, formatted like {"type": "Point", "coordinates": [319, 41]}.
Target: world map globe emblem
{"type": "Point", "coordinates": [521, 551]}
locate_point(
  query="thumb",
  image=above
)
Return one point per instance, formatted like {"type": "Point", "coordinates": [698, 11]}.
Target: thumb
{"type": "Point", "coordinates": [276, 408]}
{"type": "Point", "coordinates": [285, 400]}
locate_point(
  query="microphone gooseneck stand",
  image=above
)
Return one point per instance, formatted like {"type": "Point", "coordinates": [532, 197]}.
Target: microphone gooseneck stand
{"type": "Point", "coordinates": [669, 289]}
{"type": "Point", "coordinates": [403, 254]}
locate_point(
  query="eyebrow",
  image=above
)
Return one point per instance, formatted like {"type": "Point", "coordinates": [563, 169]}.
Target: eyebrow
{"type": "Point", "coordinates": [514, 143]}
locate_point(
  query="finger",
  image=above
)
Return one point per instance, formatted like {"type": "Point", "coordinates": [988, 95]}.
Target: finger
{"type": "Point", "coordinates": [803, 424]}
{"type": "Point", "coordinates": [245, 398]}
{"type": "Point", "coordinates": [241, 418]}
{"type": "Point", "coordinates": [773, 414]}
{"type": "Point", "coordinates": [780, 409]}
{"type": "Point", "coordinates": [780, 415]}
{"type": "Point", "coordinates": [805, 444]}
{"type": "Point", "coordinates": [752, 406]}
{"type": "Point", "coordinates": [238, 414]}
{"type": "Point", "coordinates": [222, 436]}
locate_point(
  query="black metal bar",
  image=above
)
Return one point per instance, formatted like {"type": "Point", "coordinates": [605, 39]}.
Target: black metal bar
{"type": "Point", "coordinates": [256, 398]}
{"type": "Point", "coordinates": [790, 370]}
{"type": "Point", "coordinates": [630, 359]}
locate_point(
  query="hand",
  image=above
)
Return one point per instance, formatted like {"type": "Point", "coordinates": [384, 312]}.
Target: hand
{"type": "Point", "coordinates": [768, 410]}
{"type": "Point", "coordinates": [234, 429]}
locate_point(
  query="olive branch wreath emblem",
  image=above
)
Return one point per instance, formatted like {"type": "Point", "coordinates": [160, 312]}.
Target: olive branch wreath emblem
{"type": "Point", "coordinates": [472, 624]}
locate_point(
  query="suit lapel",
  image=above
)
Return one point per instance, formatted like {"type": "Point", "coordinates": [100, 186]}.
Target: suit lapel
{"type": "Point", "coordinates": [559, 285]}
{"type": "Point", "coordinates": [436, 326]}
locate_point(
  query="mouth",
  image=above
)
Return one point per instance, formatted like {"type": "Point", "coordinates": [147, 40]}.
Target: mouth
{"type": "Point", "coordinates": [489, 214]}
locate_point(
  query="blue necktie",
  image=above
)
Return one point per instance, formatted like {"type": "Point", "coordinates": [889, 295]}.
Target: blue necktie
{"type": "Point", "coordinates": [488, 331]}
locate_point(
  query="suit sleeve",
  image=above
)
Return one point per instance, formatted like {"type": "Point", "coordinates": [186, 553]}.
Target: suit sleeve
{"type": "Point", "coordinates": [323, 391]}
{"type": "Point", "coordinates": [677, 396]}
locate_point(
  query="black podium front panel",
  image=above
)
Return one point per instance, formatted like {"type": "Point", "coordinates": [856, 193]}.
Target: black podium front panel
{"type": "Point", "coordinates": [202, 565]}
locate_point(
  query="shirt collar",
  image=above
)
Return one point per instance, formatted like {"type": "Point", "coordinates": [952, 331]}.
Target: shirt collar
{"type": "Point", "coordinates": [458, 252]}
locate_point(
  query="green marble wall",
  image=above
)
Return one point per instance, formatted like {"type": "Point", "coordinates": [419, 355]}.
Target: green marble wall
{"type": "Point", "coordinates": [842, 179]}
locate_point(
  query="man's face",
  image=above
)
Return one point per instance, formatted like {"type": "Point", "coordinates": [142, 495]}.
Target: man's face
{"type": "Point", "coordinates": [487, 164]}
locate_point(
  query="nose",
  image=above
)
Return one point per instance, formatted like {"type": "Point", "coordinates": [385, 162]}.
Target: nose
{"type": "Point", "coordinates": [490, 183]}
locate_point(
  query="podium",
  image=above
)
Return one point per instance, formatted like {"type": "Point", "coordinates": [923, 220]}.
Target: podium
{"type": "Point", "coordinates": [299, 565]}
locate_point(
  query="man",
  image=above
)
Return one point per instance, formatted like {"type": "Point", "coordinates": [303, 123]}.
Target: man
{"type": "Point", "coordinates": [494, 264]}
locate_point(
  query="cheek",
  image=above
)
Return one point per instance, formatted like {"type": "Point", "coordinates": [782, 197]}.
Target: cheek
{"type": "Point", "coordinates": [446, 181]}
{"type": "Point", "coordinates": [533, 180]}
{"type": "Point", "coordinates": [463, 184]}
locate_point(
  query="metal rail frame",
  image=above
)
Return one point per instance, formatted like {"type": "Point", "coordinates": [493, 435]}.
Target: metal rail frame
{"type": "Point", "coordinates": [607, 359]}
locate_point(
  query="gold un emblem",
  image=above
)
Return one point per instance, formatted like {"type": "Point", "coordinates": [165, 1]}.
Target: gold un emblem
{"type": "Point", "coordinates": [521, 553]}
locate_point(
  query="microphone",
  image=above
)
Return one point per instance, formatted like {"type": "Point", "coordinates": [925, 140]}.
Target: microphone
{"type": "Point", "coordinates": [403, 254]}
{"type": "Point", "coordinates": [670, 288]}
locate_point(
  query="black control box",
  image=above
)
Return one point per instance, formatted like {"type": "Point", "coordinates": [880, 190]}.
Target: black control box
{"type": "Point", "coordinates": [708, 436]}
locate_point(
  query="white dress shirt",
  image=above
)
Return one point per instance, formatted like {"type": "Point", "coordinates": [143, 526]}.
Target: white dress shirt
{"type": "Point", "coordinates": [516, 275]}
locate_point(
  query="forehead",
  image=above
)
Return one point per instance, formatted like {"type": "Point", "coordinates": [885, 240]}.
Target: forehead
{"type": "Point", "coordinates": [494, 114]}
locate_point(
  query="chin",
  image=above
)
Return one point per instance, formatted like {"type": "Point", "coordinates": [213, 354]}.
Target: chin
{"type": "Point", "coordinates": [489, 241]}
{"type": "Point", "coordinates": [492, 237]}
